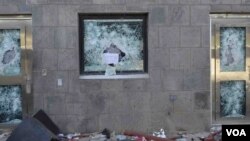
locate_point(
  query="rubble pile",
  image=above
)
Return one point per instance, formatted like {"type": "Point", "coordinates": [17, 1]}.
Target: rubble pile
{"type": "Point", "coordinates": [41, 128]}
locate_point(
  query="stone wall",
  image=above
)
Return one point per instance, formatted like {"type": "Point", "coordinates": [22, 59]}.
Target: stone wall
{"type": "Point", "coordinates": [175, 97]}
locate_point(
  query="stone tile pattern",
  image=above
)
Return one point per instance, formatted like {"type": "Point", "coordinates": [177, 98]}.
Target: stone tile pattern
{"type": "Point", "coordinates": [175, 97]}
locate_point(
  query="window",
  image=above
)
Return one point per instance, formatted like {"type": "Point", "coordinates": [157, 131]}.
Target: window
{"type": "Point", "coordinates": [113, 45]}
{"type": "Point", "coordinates": [230, 68]}
{"type": "Point", "coordinates": [15, 68]}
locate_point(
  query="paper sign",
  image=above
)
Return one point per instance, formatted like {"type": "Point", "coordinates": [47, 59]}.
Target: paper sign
{"type": "Point", "coordinates": [110, 58]}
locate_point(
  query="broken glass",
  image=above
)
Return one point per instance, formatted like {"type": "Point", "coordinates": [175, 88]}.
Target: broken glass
{"type": "Point", "coordinates": [233, 98]}
{"type": "Point", "coordinates": [10, 52]}
{"type": "Point", "coordinates": [233, 48]}
{"type": "Point", "coordinates": [121, 36]}
{"type": "Point", "coordinates": [10, 104]}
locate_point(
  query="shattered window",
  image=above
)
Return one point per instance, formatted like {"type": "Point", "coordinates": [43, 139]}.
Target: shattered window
{"type": "Point", "coordinates": [233, 46]}
{"type": "Point", "coordinates": [110, 42]}
{"type": "Point", "coordinates": [233, 98]}
{"type": "Point", "coordinates": [10, 104]}
{"type": "Point", "coordinates": [10, 52]}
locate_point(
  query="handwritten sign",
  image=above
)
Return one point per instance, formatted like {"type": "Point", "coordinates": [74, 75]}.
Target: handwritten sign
{"type": "Point", "coordinates": [110, 58]}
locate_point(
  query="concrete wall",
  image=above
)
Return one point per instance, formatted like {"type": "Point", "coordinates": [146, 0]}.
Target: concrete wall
{"type": "Point", "coordinates": [178, 65]}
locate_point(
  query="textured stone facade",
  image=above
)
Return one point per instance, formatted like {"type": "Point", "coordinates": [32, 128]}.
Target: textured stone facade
{"type": "Point", "coordinates": [176, 95]}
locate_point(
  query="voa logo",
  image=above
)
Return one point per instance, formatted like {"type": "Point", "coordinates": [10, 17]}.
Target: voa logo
{"type": "Point", "coordinates": [236, 132]}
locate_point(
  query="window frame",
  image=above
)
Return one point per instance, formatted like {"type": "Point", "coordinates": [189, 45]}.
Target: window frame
{"type": "Point", "coordinates": [218, 20]}
{"type": "Point", "coordinates": [119, 74]}
{"type": "Point", "coordinates": [24, 79]}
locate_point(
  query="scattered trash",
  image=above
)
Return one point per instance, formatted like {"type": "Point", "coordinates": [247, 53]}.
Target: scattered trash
{"type": "Point", "coordinates": [41, 128]}
{"type": "Point", "coordinates": [106, 132]}
{"type": "Point", "coordinates": [4, 135]}
{"type": "Point", "coordinates": [147, 137]}
{"type": "Point", "coordinates": [160, 134]}
{"type": "Point", "coordinates": [121, 137]}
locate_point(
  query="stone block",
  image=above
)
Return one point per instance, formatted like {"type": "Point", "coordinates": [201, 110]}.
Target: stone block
{"type": "Point", "coordinates": [200, 15]}
{"type": "Point", "coordinates": [136, 8]}
{"type": "Point", "coordinates": [66, 37]}
{"type": "Point", "coordinates": [69, 109]}
{"type": "Point", "coordinates": [159, 58]}
{"type": "Point", "coordinates": [109, 121]}
{"type": "Point", "coordinates": [75, 98]}
{"type": "Point", "coordinates": [44, 84]}
{"type": "Point", "coordinates": [15, 2]}
{"type": "Point", "coordinates": [119, 2]}
{"type": "Point", "coordinates": [65, 81]}
{"type": "Point", "coordinates": [55, 104]}
{"type": "Point", "coordinates": [37, 59]}
{"type": "Point", "coordinates": [205, 33]}
{"type": "Point", "coordinates": [220, 8]}
{"type": "Point", "coordinates": [9, 9]}
{"type": "Point", "coordinates": [102, 1]}
{"type": "Point", "coordinates": [240, 8]}
{"type": "Point", "coordinates": [153, 37]}
{"type": "Point", "coordinates": [37, 14]}
{"type": "Point", "coordinates": [200, 58]}
{"type": "Point", "coordinates": [75, 109]}
{"type": "Point", "coordinates": [178, 15]}
{"type": "Point", "coordinates": [169, 37]}
{"type": "Point", "coordinates": [185, 121]}
{"type": "Point", "coordinates": [74, 124]}
{"type": "Point", "coordinates": [134, 85]}
{"type": "Point", "coordinates": [38, 102]}
{"type": "Point", "coordinates": [180, 58]}
{"type": "Point", "coordinates": [139, 101]}
{"type": "Point", "coordinates": [112, 85]}
{"type": "Point", "coordinates": [154, 81]}
{"type": "Point", "coordinates": [68, 15]}
{"type": "Point", "coordinates": [190, 37]}
{"type": "Point", "coordinates": [97, 103]}
{"type": "Point", "coordinates": [157, 15]}
{"type": "Point", "coordinates": [162, 120]}
{"type": "Point", "coordinates": [70, 2]}
{"type": "Point", "coordinates": [74, 82]}
{"type": "Point", "coordinates": [115, 8]}
{"type": "Point", "coordinates": [202, 100]}
{"type": "Point", "coordinates": [139, 122]}
{"type": "Point", "coordinates": [231, 1]}
{"type": "Point", "coordinates": [245, 1]}
{"type": "Point", "coordinates": [90, 85]}
{"type": "Point", "coordinates": [49, 59]}
{"type": "Point", "coordinates": [91, 124]}
{"type": "Point", "coordinates": [24, 9]}
{"type": "Point", "coordinates": [126, 120]}
{"type": "Point", "coordinates": [118, 102]}
{"type": "Point", "coordinates": [91, 9]}
{"type": "Point", "coordinates": [168, 1]}
{"type": "Point", "coordinates": [60, 120]}
{"type": "Point", "coordinates": [159, 102]}
{"type": "Point", "coordinates": [190, 1]}
{"type": "Point", "coordinates": [50, 15]}
{"type": "Point", "coordinates": [36, 1]}
{"type": "Point", "coordinates": [43, 37]}
{"type": "Point", "coordinates": [197, 79]}
{"type": "Point", "coordinates": [172, 79]}
{"type": "Point", "coordinates": [184, 101]}
{"type": "Point", "coordinates": [142, 2]}
{"type": "Point", "coordinates": [67, 59]}
{"type": "Point", "coordinates": [211, 1]}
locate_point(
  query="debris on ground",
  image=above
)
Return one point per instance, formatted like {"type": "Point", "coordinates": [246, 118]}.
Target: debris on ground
{"type": "Point", "coordinates": [160, 134]}
{"type": "Point", "coordinates": [4, 134]}
{"type": "Point", "coordinates": [41, 128]}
